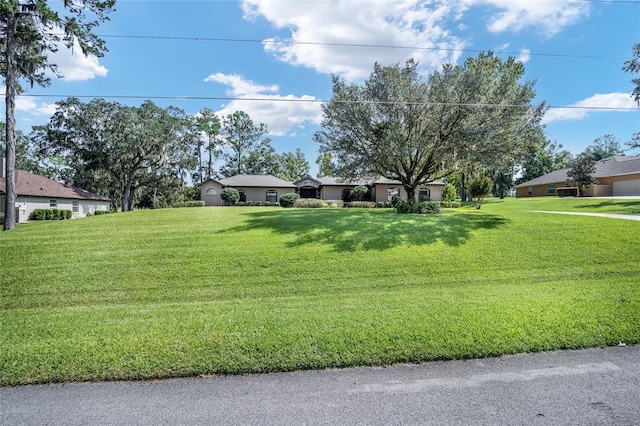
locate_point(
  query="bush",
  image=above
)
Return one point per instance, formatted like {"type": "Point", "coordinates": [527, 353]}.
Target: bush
{"type": "Point", "coordinates": [100, 212]}
{"type": "Point", "coordinates": [388, 204]}
{"type": "Point", "coordinates": [309, 203]}
{"type": "Point", "coordinates": [1, 219]}
{"type": "Point", "coordinates": [276, 204]}
{"type": "Point", "coordinates": [188, 204]}
{"type": "Point", "coordinates": [422, 207]}
{"type": "Point", "coordinates": [396, 199]}
{"type": "Point", "coordinates": [267, 203]}
{"type": "Point", "coordinates": [380, 204]}
{"type": "Point", "coordinates": [448, 193]}
{"type": "Point", "coordinates": [249, 203]}
{"type": "Point", "coordinates": [450, 204]}
{"type": "Point", "coordinates": [358, 193]}
{"type": "Point", "coordinates": [230, 196]}
{"type": "Point", "coordinates": [429, 207]}
{"type": "Point", "coordinates": [363, 204]}
{"type": "Point", "coordinates": [335, 203]}
{"type": "Point", "coordinates": [289, 199]}
{"type": "Point", "coordinates": [50, 214]}
{"type": "Point", "coordinates": [258, 203]}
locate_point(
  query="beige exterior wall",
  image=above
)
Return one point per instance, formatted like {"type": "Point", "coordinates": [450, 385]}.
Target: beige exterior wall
{"type": "Point", "coordinates": [334, 192]}
{"type": "Point", "coordinates": [538, 190]}
{"type": "Point", "coordinates": [213, 197]}
{"type": "Point", "coordinates": [260, 193]}
{"type": "Point", "coordinates": [382, 191]}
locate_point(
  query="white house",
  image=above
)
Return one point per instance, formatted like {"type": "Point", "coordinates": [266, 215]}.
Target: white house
{"type": "Point", "coordinates": [37, 192]}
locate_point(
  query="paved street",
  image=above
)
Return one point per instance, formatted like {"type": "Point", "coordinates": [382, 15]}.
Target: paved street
{"type": "Point", "coordinates": [588, 387]}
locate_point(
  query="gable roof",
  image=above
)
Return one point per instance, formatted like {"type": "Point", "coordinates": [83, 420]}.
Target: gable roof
{"type": "Point", "coordinates": [617, 165]}
{"type": "Point", "coordinates": [336, 181]}
{"type": "Point", "coordinates": [255, 181]}
{"type": "Point", "coordinates": [28, 184]}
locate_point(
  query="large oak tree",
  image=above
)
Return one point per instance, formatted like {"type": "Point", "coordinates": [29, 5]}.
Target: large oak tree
{"type": "Point", "coordinates": [401, 126]}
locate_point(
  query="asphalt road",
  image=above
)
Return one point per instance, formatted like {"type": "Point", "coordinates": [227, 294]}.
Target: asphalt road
{"type": "Point", "coordinates": [587, 387]}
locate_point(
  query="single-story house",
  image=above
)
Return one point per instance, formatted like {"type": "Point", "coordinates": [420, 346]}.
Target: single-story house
{"type": "Point", "coordinates": [380, 190]}
{"type": "Point", "coordinates": [37, 192]}
{"type": "Point", "coordinates": [250, 187]}
{"type": "Point", "coordinates": [617, 176]}
{"type": "Point", "coordinates": [269, 188]}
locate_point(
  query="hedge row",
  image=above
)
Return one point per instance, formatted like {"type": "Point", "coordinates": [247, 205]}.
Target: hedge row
{"type": "Point", "coordinates": [197, 203]}
{"type": "Point", "coordinates": [50, 214]}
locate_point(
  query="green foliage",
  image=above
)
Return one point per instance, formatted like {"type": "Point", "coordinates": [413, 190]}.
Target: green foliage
{"type": "Point", "coordinates": [258, 203]}
{"type": "Point", "coordinates": [1, 218]}
{"type": "Point", "coordinates": [363, 204]}
{"type": "Point", "coordinates": [450, 204]}
{"type": "Point", "coordinates": [101, 212]}
{"type": "Point", "coordinates": [633, 66]}
{"type": "Point", "coordinates": [197, 203]}
{"type": "Point", "coordinates": [309, 203]}
{"type": "Point", "coordinates": [358, 193]}
{"type": "Point", "coordinates": [604, 147]}
{"type": "Point", "coordinates": [397, 198]}
{"type": "Point", "coordinates": [288, 199]}
{"type": "Point", "coordinates": [449, 192]}
{"type": "Point", "coordinates": [581, 173]}
{"type": "Point", "coordinates": [249, 203]}
{"type": "Point", "coordinates": [267, 203]}
{"type": "Point", "coordinates": [479, 188]}
{"type": "Point", "coordinates": [541, 156]}
{"type": "Point", "coordinates": [50, 214]}
{"type": "Point", "coordinates": [334, 203]}
{"type": "Point", "coordinates": [230, 196]}
{"type": "Point", "coordinates": [325, 165]}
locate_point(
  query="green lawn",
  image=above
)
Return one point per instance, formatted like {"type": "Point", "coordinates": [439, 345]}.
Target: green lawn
{"type": "Point", "coordinates": [183, 292]}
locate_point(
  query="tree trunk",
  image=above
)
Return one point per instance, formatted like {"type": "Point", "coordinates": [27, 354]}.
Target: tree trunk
{"type": "Point", "coordinates": [411, 193]}
{"type": "Point", "coordinates": [463, 190]}
{"type": "Point", "coordinates": [10, 102]}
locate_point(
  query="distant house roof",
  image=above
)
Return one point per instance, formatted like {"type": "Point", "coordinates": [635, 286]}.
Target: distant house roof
{"type": "Point", "coordinates": [618, 165]}
{"type": "Point", "coordinates": [255, 181]}
{"type": "Point", "coordinates": [28, 184]}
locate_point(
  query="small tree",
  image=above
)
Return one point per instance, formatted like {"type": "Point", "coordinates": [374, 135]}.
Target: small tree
{"type": "Point", "coordinates": [288, 199]}
{"type": "Point", "coordinates": [230, 196]}
{"type": "Point", "coordinates": [449, 193]}
{"type": "Point", "coordinates": [358, 193]}
{"type": "Point", "coordinates": [581, 173]}
{"type": "Point", "coordinates": [480, 188]}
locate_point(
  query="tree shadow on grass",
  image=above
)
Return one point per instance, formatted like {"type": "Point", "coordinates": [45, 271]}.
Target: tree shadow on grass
{"type": "Point", "coordinates": [616, 206]}
{"type": "Point", "coordinates": [350, 230]}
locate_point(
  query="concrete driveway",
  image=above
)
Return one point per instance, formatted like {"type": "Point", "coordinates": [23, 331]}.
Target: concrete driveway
{"type": "Point", "coordinates": [585, 387]}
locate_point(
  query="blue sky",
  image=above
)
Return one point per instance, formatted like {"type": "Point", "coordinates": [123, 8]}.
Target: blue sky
{"type": "Point", "coordinates": [268, 57]}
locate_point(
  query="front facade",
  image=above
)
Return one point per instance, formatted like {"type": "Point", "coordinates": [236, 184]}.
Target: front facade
{"type": "Point", "coordinates": [254, 188]}
{"type": "Point", "coordinates": [617, 176]}
{"type": "Point", "coordinates": [37, 192]}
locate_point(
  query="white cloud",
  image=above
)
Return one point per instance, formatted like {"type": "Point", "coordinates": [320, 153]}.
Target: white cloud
{"type": "Point", "coordinates": [550, 16]}
{"type": "Point", "coordinates": [283, 114]}
{"type": "Point", "coordinates": [524, 56]}
{"type": "Point", "coordinates": [73, 65]}
{"type": "Point", "coordinates": [321, 32]}
{"type": "Point", "coordinates": [599, 102]}
{"type": "Point", "coordinates": [31, 105]}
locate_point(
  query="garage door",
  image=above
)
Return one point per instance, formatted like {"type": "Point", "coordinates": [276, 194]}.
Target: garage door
{"type": "Point", "coordinates": [626, 187]}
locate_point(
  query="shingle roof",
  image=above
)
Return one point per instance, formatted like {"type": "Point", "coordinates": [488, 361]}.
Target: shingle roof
{"type": "Point", "coordinates": [261, 181]}
{"type": "Point", "coordinates": [38, 186]}
{"type": "Point", "coordinates": [612, 166]}
{"type": "Point", "coordinates": [332, 180]}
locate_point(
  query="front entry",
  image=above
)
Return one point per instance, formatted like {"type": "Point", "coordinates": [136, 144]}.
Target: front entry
{"type": "Point", "coordinates": [308, 193]}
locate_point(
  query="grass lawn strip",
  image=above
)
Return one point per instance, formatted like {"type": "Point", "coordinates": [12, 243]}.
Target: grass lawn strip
{"type": "Point", "coordinates": [185, 292]}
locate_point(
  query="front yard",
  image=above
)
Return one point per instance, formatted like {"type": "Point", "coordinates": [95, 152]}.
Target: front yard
{"type": "Point", "coordinates": [183, 292]}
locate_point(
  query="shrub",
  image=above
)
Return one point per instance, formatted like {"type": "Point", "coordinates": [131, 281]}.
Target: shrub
{"type": "Point", "coordinates": [309, 203]}
{"type": "Point", "coordinates": [1, 219]}
{"type": "Point", "coordinates": [50, 214]}
{"type": "Point", "coordinates": [249, 203]}
{"type": "Point", "coordinates": [388, 204]}
{"type": "Point", "coordinates": [267, 203]}
{"type": "Point", "coordinates": [358, 193]}
{"type": "Point", "coordinates": [450, 204]}
{"type": "Point", "coordinates": [68, 214]}
{"type": "Point", "coordinates": [380, 204]}
{"type": "Point", "coordinates": [335, 203]}
{"type": "Point", "coordinates": [188, 204]}
{"type": "Point", "coordinates": [289, 199]}
{"type": "Point", "coordinates": [100, 212]}
{"type": "Point", "coordinates": [422, 207]}
{"type": "Point", "coordinates": [363, 204]}
{"type": "Point", "coordinates": [429, 207]}
{"type": "Point", "coordinates": [396, 199]}
{"type": "Point", "coordinates": [276, 204]}
{"type": "Point", "coordinates": [258, 203]}
{"type": "Point", "coordinates": [230, 196]}
{"type": "Point", "coordinates": [242, 203]}
{"type": "Point", "coordinates": [479, 188]}
{"type": "Point", "coordinates": [448, 193]}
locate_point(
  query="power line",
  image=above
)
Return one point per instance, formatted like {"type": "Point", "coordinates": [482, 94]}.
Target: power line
{"type": "Point", "coordinates": [319, 101]}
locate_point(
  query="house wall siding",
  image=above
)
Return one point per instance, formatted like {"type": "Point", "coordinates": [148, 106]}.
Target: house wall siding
{"type": "Point", "coordinates": [85, 207]}
{"type": "Point", "coordinates": [211, 199]}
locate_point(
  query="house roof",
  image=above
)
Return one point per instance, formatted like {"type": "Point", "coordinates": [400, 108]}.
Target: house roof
{"type": "Point", "coordinates": [28, 184]}
{"type": "Point", "coordinates": [255, 181]}
{"type": "Point", "coordinates": [617, 165]}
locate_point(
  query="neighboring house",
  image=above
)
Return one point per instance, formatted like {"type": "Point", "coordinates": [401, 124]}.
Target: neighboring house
{"type": "Point", "coordinates": [250, 187]}
{"type": "Point", "coordinates": [617, 176]}
{"type": "Point", "coordinates": [37, 192]}
{"type": "Point", "coordinates": [270, 188]}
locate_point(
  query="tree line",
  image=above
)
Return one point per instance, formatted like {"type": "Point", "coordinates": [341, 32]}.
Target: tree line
{"type": "Point", "coordinates": [145, 156]}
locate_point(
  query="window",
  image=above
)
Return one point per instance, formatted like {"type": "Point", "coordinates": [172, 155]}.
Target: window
{"type": "Point", "coordinates": [424, 194]}
{"type": "Point", "coordinates": [530, 191]}
{"type": "Point", "coordinates": [75, 207]}
{"type": "Point", "coordinates": [211, 191]}
{"type": "Point", "coordinates": [53, 204]}
{"type": "Point", "coordinates": [391, 192]}
{"type": "Point", "coordinates": [243, 195]}
{"type": "Point", "coordinates": [552, 189]}
{"type": "Point", "coordinates": [272, 196]}
{"type": "Point", "coordinates": [346, 195]}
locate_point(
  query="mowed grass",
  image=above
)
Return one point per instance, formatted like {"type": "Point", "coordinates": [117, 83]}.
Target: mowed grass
{"type": "Point", "coordinates": [186, 292]}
